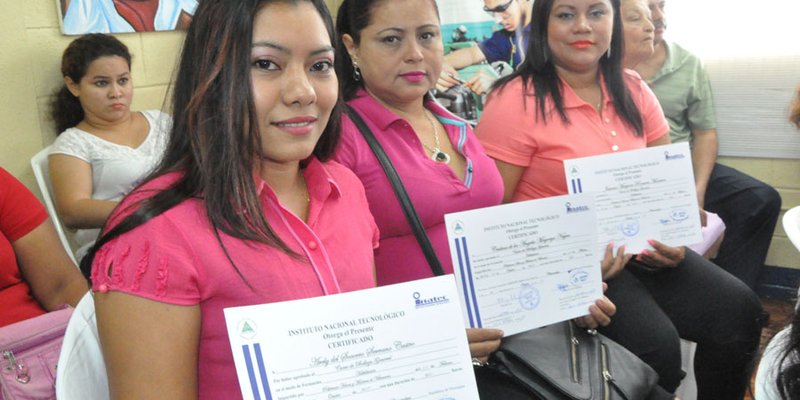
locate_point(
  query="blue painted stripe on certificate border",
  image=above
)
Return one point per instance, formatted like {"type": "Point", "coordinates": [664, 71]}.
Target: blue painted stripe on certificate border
{"type": "Point", "coordinates": [464, 283]}
{"type": "Point", "coordinates": [262, 370]}
{"type": "Point", "coordinates": [248, 361]}
{"type": "Point", "coordinates": [472, 284]}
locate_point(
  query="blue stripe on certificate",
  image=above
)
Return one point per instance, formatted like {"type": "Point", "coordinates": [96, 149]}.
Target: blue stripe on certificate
{"type": "Point", "coordinates": [262, 370]}
{"type": "Point", "coordinates": [464, 282]}
{"type": "Point", "coordinates": [250, 373]}
{"type": "Point", "coordinates": [576, 185]}
{"type": "Point", "coordinates": [468, 286]}
{"type": "Point", "coordinates": [471, 283]}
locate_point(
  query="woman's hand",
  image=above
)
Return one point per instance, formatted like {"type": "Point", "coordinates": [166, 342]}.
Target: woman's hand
{"type": "Point", "coordinates": [483, 342]}
{"type": "Point", "coordinates": [663, 257]}
{"type": "Point", "coordinates": [611, 264]}
{"type": "Point", "coordinates": [600, 313]}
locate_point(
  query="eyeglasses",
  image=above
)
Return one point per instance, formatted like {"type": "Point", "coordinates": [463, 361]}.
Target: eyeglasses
{"type": "Point", "coordinates": [499, 9]}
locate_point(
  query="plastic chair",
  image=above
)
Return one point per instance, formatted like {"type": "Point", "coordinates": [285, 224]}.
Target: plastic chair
{"type": "Point", "coordinates": [791, 225]}
{"type": "Point", "coordinates": [42, 174]}
{"type": "Point", "coordinates": [81, 370]}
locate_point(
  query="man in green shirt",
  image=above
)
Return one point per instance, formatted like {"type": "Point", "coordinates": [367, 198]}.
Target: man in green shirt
{"type": "Point", "coordinates": [749, 207]}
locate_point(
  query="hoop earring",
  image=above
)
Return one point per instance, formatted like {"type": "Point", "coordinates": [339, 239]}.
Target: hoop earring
{"type": "Point", "coordinates": [545, 54]}
{"type": "Point", "coordinates": [608, 53]}
{"type": "Point", "coordinates": [356, 72]}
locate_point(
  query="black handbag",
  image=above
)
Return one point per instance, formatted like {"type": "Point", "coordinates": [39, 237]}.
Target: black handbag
{"type": "Point", "coordinates": [562, 361]}
{"type": "Point", "coordinates": [558, 361]}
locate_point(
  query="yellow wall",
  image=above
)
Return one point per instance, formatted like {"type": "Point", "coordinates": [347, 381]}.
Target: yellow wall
{"type": "Point", "coordinates": [30, 50]}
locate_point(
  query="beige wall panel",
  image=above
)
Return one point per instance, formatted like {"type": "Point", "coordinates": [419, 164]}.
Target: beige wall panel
{"type": "Point", "coordinates": [160, 53]}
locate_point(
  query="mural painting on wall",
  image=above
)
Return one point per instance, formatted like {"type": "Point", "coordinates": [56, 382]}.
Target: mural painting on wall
{"type": "Point", "coordinates": [121, 16]}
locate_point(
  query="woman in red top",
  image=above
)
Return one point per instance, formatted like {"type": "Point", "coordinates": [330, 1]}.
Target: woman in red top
{"type": "Point", "coordinates": [36, 274]}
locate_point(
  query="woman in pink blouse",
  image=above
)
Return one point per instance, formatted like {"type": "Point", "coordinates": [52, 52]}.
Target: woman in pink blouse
{"type": "Point", "coordinates": [391, 58]}
{"type": "Point", "coordinates": [244, 209]}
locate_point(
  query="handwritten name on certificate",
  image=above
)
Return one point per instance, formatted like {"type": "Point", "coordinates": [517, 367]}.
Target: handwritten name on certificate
{"type": "Point", "coordinates": [525, 265]}
{"type": "Point", "coordinates": [404, 341]}
{"type": "Point", "coordinates": [640, 195]}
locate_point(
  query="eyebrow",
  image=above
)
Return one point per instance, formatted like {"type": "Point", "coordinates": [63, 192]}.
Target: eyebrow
{"type": "Point", "coordinates": [426, 26]}
{"type": "Point", "coordinates": [109, 77]}
{"type": "Point", "coordinates": [284, 49]}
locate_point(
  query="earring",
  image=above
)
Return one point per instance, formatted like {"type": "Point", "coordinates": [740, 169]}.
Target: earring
{"type": "Point", "coordinates": [356, 72]}
{"type": "Point", "coordinates": [544, 54]}
{"type": "Point", "coordinates": [608, 53]}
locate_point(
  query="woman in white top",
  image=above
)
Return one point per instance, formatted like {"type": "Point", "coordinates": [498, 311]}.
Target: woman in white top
{"type": "Point", "coordinates": [104, 149]}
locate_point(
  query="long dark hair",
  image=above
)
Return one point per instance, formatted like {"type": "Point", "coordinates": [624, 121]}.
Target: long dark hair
{"type": "Point", "coordinates": [353, 16]}
{"type": "Point", "coordinates": [788, 381]}
{"type": "Point", "coordinates": [215, 142]}
{"type": "Point", "coordinates": [65, 109]}
{"type": "Point", "coordinates": [539, 72]}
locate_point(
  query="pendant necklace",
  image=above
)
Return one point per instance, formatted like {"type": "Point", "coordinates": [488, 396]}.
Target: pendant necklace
{"type": "Point", "coordinates": [436, 153]}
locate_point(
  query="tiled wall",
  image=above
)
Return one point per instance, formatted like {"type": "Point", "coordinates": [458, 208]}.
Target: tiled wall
{"type": "Point", "coordinates": [784, 175]}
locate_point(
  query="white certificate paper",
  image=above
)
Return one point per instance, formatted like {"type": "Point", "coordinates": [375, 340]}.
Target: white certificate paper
{"type": "Point", "coordinates": [404, 341]}
{"type": "Point", "coordinates": [640, 195]}
{"type": "Point", "coordinates": [528, 264]}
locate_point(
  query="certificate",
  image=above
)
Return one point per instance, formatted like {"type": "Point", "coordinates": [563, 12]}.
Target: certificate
{"type": "Point", "coordinates": [404, 341]}
{"type": "Point", "coordinates": [528, 264]}
{"type": "Point", "coordinates": [640, 195]}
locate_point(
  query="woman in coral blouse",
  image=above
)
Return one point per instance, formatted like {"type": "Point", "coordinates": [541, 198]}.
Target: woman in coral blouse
{"type": "Point", "coordinates": [571, 98]}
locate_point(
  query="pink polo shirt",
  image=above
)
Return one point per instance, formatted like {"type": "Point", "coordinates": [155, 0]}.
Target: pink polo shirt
{"type": "Point", "coordinates": [510, 132]}
{"type": "Point", "coordinates": [175, 258]}
{"type": "Point", "coordinates": [433, 187]}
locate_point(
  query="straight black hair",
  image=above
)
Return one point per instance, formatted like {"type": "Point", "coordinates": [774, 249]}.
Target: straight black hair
{"type": "Point", "coordinates": [215, 143]}
{"type": "Point", "coordinates": [538, 71]}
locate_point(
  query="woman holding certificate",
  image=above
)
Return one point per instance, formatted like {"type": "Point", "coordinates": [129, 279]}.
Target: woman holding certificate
{"type": "Point", "coordinates": [391, 57]}
{"type": "Point", "coordinates": [571, 98]}
{"type": "Point", "coordinates": [244, 209]}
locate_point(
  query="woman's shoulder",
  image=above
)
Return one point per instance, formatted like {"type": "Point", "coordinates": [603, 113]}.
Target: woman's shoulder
{"type": "Point", "coordinates": [341, 175]}
{"type": "Point", "coordinates": [633, 80]}
{"type": "Point", "coordinates": [75, 142]}
{"type": "Point", "coordinates": [145, 191]}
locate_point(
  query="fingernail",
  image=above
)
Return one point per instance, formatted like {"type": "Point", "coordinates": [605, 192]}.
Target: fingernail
{"type": "Point", "coordinates": [645, 252]}
{"type": "Point", "coordinates": [651, 242]}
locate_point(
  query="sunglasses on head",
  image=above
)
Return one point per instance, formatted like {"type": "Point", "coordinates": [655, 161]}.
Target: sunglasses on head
{"type": "Point", "coordinates": [499, 9]}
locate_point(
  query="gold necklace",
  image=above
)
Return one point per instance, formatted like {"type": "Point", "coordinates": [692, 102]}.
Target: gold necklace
{"type": "Point", "coordinates": [436, 153]}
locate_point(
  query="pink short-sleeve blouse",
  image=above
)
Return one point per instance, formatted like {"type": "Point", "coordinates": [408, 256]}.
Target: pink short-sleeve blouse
{"type": "Point", "coordinates": [433, 187]}
{"type": "Point", "coordinates": [175, 258]}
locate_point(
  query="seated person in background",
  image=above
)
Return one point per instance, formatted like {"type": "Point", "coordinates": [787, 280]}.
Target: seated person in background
{"type": "Point", "coordinates": [638, 30]}
{"type": "Point", "coordinates": [778, 376]}
{"type": "Point", "coordinates": [440, 161]}
{"type": "Point", "coordinates": [244, 209]}
{"type": "Point", "coordinates": [507, 45]}
{"type": "Point", "coordinates": [572, 98]}
{"type": "Point", "coordinates": [36, 274]}
{"type": "Point", "coordinates": [749, 207]}
{"type": "Point", "coordinates": [103, 149]}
